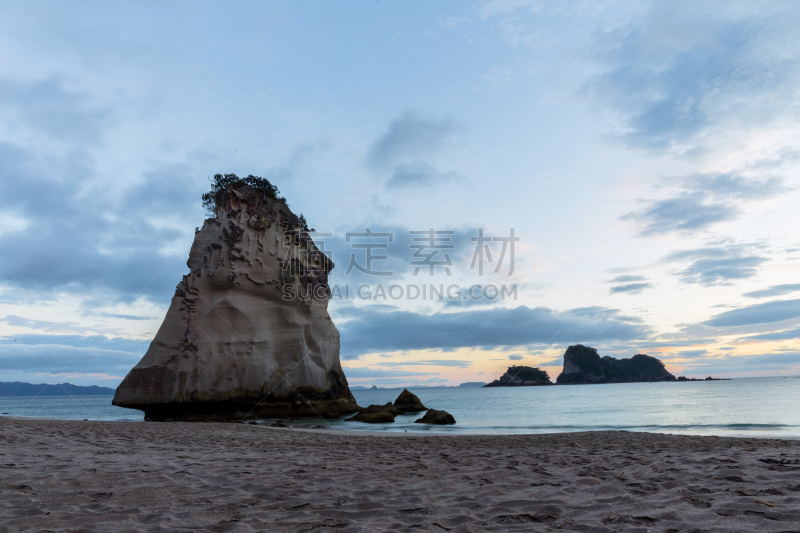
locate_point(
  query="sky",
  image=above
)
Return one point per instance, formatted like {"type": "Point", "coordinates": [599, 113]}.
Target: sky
{"type": "Point", "coordinates": [617, 174]}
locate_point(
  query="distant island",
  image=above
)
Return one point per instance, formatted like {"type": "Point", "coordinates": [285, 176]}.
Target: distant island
{"type": "Point", "coordinates": [521, 376]}
{"type": "Point", "coordinates": [473, 384]}
{"type": "Point", "coordinates": [18, 388]}
{"type": "Point", "coordinates": [582, 364]}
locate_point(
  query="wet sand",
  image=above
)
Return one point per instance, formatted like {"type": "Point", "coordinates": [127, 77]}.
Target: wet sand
{"type": "Point", "coordinates": [127, 476]}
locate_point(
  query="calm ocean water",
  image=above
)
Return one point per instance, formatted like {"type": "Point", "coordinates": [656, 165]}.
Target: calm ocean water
{"type": "Point", "coordinates": [739, 407]}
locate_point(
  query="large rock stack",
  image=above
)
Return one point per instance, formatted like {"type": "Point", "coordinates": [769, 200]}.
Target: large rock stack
{"type": "Point", "coordinates": [582, 364]}
{"type": "Point", "coordinates": [247, 334]}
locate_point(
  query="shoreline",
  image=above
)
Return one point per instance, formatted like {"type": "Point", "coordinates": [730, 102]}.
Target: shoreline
{"type": "Point", "coordinates": [122, 476]}
{"type": "Point", "coordinates": [420, 433]}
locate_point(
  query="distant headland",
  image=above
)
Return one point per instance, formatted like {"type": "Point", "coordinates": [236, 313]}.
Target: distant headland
{"type": "Point", "coordinates": [18, 388]}
{"type": "Point", "coordinates": [583, 365]}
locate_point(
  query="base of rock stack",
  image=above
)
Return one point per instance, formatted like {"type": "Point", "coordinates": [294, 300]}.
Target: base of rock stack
{"type": "Point", "coordinates": [232, 410]}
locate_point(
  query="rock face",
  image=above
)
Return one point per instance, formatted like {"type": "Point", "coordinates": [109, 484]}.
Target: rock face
{"type": "Point", "coordinates": [387, 407]}
{"type": "Point", "coordinates": [521, 376]}
{"type": "Point", "coordinates": [247, 334]}
{"type": "Point", "coordinates": [582, 364]}
{"type": "Point", "coordinates": [408, 402]}
{"type": "Point", "coordinates": [436, 417]}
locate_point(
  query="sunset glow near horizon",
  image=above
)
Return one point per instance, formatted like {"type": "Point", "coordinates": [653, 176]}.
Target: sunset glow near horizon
{"type": "Point", "coordinates": [641, 162]}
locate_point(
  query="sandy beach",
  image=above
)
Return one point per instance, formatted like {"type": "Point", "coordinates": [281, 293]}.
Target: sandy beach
{"type": "Point", "coordinates": [124, 476]}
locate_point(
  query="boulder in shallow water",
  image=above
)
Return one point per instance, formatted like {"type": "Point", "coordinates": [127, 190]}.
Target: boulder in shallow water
{"type": "Point", "coordinates": [376, 417]}
{"type": "Point", "coordinates": [388, 407]}
{"type": "Point", "coordinates": [436, 417]}
{"type": "Point", "coordinates": [408, 402]}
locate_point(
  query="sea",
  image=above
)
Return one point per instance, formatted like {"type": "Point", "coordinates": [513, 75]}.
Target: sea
{"type": "Point", "coordinates": [746, 407]}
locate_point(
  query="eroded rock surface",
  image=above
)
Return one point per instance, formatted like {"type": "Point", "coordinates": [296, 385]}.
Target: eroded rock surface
{"type": "Point", "coordinates": [436, 417]}
{"type": "Point", "coordinates": [409, 402]}
{"type": "Point", "coordinates": [247, 334]}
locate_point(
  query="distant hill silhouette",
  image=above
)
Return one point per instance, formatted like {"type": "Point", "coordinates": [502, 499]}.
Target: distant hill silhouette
{"type": "Point", "coordinates": [521, 376]}
{"type": "Point", "coordinates": [18, 388]}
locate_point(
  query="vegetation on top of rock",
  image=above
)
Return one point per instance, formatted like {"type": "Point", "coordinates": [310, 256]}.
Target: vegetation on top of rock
{"type": "Point", "coordinates": [582, 364]}
{"type": "Point", "coordinates": [584, 357]}
{"type": "Point", "coordinates": [640, 367]}
{"type": "Point", "coordinates": [261, 185]}
{"type": "Point", "coordinates": [527, 373]}
{"type": "Point", "coordinates": [521, 376]}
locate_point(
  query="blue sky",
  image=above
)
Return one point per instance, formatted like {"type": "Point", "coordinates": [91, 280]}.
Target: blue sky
{"type": "Point", "coordinates": [645, 156]}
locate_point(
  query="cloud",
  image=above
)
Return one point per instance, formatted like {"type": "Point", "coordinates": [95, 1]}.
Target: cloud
{"type": "Point", "coordinates": [774, 290]}
{"type": "Point", "coordinates": [628, 278]}
{"type": "Point", "coordinates": [119, 344]}
{"type": "Point", "coordinates": [757, 314]}
{"type": "Point", "coordinates": [87, 360]}
{"type": "Point", "coordinates": [631, 288]}
{"type": "Point", "coordinates": [691, 354]}
{"type": "Point", "coordinates": [418, 174]}
{"type": "Point", "coordinates": [675, 73]}
{"type": "Point", "coordinates": [41, 325]}
{"type": "Point", "coordinates": [119, 316]}
{"type": "Point", "coordinates": [80, 240]}
{"type": "Point", "coordinates": [494, 7]}
{"type": "Point", "coordinates": [685, 213]}
{"type": "Point", "coordinates": [380, 373]}
{"type": "Point", "coordinates": [717, 265]}
{"type": "Point", "coordinates": [784, 156]}
{"type": "Point", "coordinates": [458, 363]}
{"type": "Point", "coordinates": [410, 139]}
{"type": "Point", "coordinates": [51, 109]}
{"type": "Point", "coordinates": [771, 362]}
{"type": "Point", "coordinates": [696, 80]}
{"type": "Point", "coordinates": [59, 359]}
{"type": "Point", "coordinates": [515, 357]}
{"type": "Point", "coordinates": [729, 185]}
{"type": "Point", "coordinates": [406, 149]}
{"type": "Point", "coordinates": [487, 329]}
{"type": "Point", "coordinates": [789, 334]}
{"type": "Point", "coordinates": [706, 200]}
{"type": "Point", "coordinates": [642, 347]}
